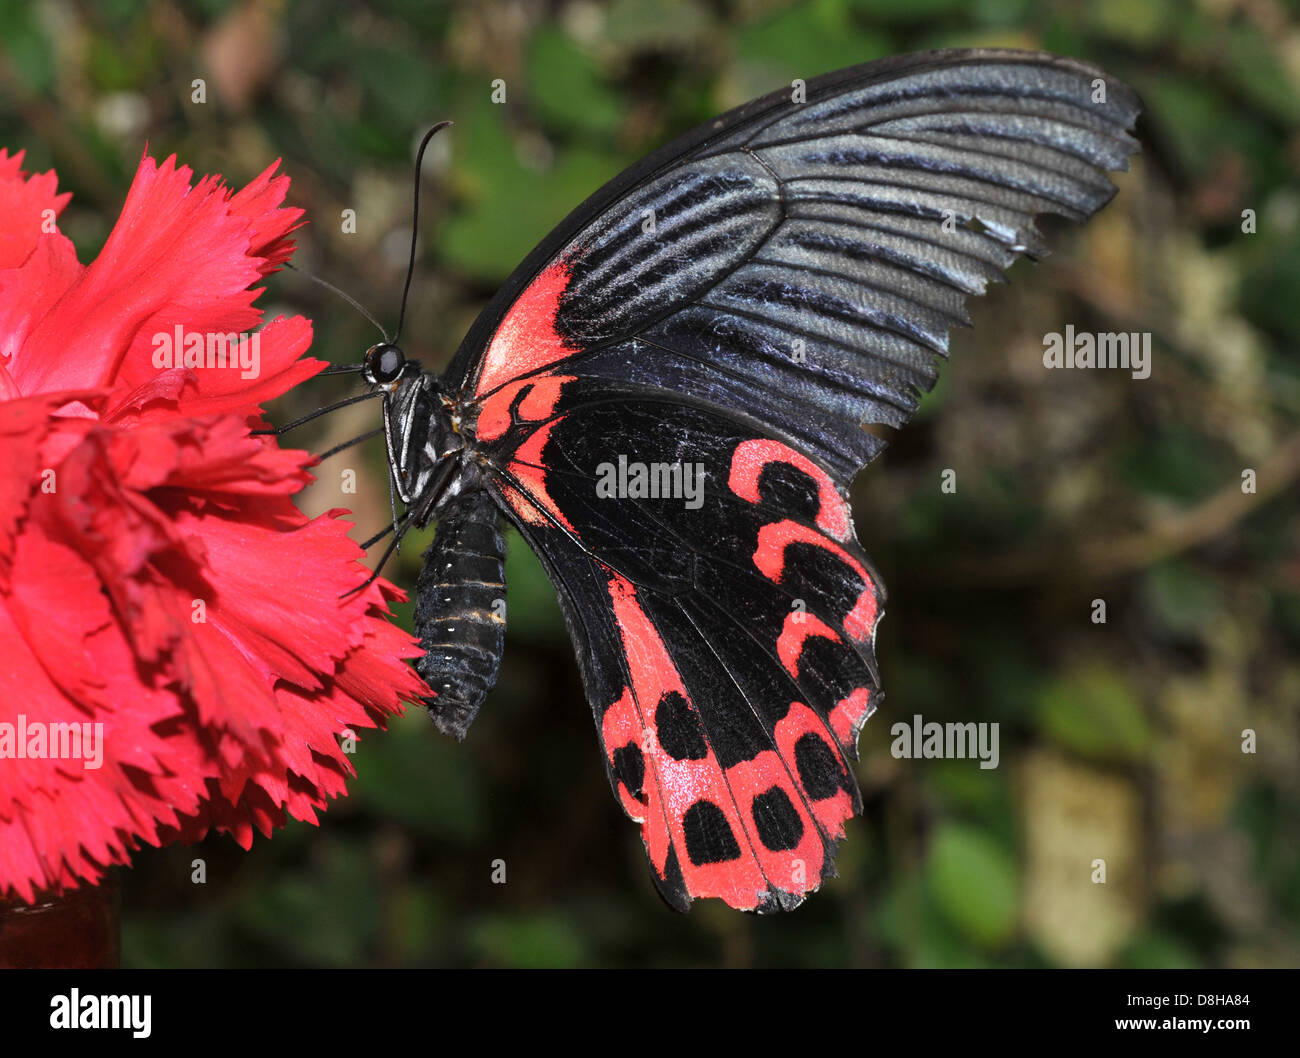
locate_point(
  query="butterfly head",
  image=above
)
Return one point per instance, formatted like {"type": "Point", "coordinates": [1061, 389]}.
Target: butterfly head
{"type": "Point", "coordinates": [385, 364]}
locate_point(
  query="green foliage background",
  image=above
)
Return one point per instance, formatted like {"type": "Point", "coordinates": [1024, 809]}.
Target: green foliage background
{"type": "Point", "coordinates": [1120, 741]}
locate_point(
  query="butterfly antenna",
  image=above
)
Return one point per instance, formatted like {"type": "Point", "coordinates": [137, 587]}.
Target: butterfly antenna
{"type": "Point", "coordinates": [346, 297]}
{"type": "Point", "coordinates": [415, 222]}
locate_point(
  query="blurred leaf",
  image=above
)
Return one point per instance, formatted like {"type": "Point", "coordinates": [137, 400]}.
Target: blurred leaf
{"type": "Point", "coordinates": [1001, 12]}
{"type": "Point", "coordinates": [907, 920]}
{"type": "Point", "coordinates": [565, 86]}
{"type": "Point", "coordinates": [970, 789]}
{"type": "Point", "coordinates": [1093, 710]}
{"type": "Point", "coordinates": [656, 23]}
{"type": "Point", "coordinates": [1190, 116]}
{"type": "Point", "coordinates": [403, 89]}
{"type": "Point", "coordinates": [1138, 24]}
{"type": "Point", "coordinates": [1182, 597]}
{"type": "Point", "coordinates": [1257, 69]}
{"type": "Point", "coordinates": [974, 883]}
{"type": "Point", "coordinates": [1063, 34]}
{"type": "Point", "coordinates": [1176, 462]}
{"type": "Point", "coordinates": [109, 66]}
{"type": "Point", "coordinates": [1004, 507]}
{"type": "Point", "coordinates": [27, 45]}
{"type": "Point", "coordinates": [534, 940]}
{"type": "Point", "coordinates": [907, 10]}
{"type": "Point", "coordinates": [213, 8]}
{"type": "Point", "coordinates": [420, 14]}
{"type": "Point", "coordinates": [1269, 818]}
{"type": "Point", "coordinates": [808, 40]}
{"type": "Point", "coordinates": [1270, 290]}
{"type": "Point", "coordinates": [509, 207]}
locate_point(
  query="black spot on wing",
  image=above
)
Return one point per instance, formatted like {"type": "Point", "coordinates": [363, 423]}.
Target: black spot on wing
{"type": "Point", "coordinates": [819, 770]}
{"type": "Point", "coordinates": [629, 767]}
{"type": "Point", "coordinates": [830, 671]}
{"type": "Point", "coordinates": [708, 835]}
{"type": "Point", "coordinates": [815, 571]}
{"type": "Point", "coordinates": [777, 820]}
{"type": "Point", "coordinates": [789, 489]}
{"type": "Point", "coordinates": [678, 729]}
{"type": "Point", "coordinates": [671, 884]}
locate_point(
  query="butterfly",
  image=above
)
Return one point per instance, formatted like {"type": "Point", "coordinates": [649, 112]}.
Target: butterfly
{"type": "Point", "coordinates": [669, 398]}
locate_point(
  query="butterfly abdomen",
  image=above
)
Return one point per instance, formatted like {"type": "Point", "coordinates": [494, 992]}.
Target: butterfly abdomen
{"type": "Point", "coordinates": [460, 613]}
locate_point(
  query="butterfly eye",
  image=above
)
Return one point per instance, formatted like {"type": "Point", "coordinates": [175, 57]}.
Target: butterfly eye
{"type": "Point", "coordinates": [384, 363]}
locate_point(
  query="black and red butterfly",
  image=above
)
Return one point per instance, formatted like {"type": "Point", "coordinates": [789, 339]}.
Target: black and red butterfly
{"type": "Point", "coordinates": [740, 304]}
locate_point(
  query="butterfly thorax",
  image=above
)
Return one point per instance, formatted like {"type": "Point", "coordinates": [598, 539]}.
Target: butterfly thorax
{"type": "Point", "coordinates": [423, 443]}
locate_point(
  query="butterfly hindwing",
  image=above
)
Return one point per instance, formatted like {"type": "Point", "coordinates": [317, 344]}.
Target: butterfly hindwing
{"type": "Point", "coordinates": [724, 629]}
{"type": "Point", "coordinates": [746, 300]}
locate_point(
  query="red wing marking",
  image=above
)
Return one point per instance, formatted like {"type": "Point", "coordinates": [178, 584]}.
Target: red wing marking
{"type": "Point", "coordinates": [519, 502]}
{"type": "Point", "coordinates": [774, 840]}
{"type": "Point", "coordinates": [798, 627]}
{"type": "Point", "coordinates": [529, 471]}
{"type": "Point", "coordinates": [526, 339]}
{"type": "Point", "coordinates": [799, 724]}
{"type": "Point", "coordinates": [673, 786]}
{"type": "Point", "coordinates": [795, 869]}
{"type": "Point", "coordinates": [541, 394]}
{"type": "Point", "coordinates": [849, 715]}
{"type": "Point", "coordinates": [769, 557]}
{"type": "Point", "coordinates": [621, 728]}
{"type": "Point", "coordinates": [748, 461]}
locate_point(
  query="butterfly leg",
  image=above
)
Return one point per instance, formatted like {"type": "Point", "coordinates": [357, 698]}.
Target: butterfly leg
{"type": "Point", "coordinates": [276, 431]}
{"type": "Point", "coordinates": [349, 443]}
{"type": "Point", "coordinates": [400, 528]}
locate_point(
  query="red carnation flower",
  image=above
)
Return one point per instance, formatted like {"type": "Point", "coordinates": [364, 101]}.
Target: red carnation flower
{"type": "Point", "coordinates": [175, 654]}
